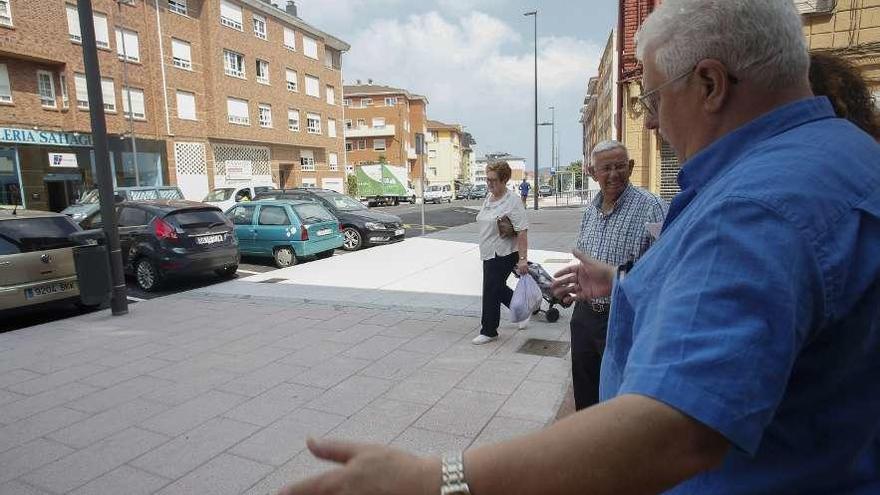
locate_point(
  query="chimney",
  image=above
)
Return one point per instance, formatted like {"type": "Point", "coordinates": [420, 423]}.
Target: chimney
{"type": "Point", "coordinates": [358, 82]}
{"type": "Point", "coordinates": [291, 8]}
{"type": "Point", "coordinates": [370, 82]}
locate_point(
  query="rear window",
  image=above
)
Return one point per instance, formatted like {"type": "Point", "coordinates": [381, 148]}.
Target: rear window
{"type": "Point", "coordinates": [35, 234]}
{"type": "Point", "coordinates": [141, 195]}
{"type": "Point", "coordinates": [313, 213]}
{"type": "Point", "coordinates": [197, 218]}
{"type": "Point", "coordinates": [173, 193]}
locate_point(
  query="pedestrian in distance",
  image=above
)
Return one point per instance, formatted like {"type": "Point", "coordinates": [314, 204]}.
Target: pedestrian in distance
{"type": "Point", "coordinates": [743, 347]}
{"type": "Point", "coordinates": [524, 187]}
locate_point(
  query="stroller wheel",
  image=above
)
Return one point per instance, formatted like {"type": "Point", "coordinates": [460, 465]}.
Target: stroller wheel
{"type": "Point", "coordinates": [552, 315]}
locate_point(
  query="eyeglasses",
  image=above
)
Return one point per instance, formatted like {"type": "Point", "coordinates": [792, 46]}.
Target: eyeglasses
{"type": "Point", "coordinates": [619, 167]}
{"type": "Point", "coordinates": [650, 101]}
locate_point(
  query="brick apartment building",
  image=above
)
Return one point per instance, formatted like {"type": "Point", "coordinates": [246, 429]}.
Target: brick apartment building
{"type": "Point", "coordinates": [381, 123]}
{"type": "Point", "coordinates": [221, 91]}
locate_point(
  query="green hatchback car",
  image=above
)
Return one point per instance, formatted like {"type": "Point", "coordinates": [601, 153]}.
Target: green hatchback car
{"type": "Point", "coordinates": [285, 230]}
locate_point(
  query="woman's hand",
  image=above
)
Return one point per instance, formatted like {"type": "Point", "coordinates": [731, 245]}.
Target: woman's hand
{"type": "Point", "coordinates": [522, 267]}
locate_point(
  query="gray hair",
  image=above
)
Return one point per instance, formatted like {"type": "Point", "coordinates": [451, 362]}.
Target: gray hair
{"type": "Point", "coordinates": [761, 40]}
{"type": "Point", "coordinates": [609, 145]}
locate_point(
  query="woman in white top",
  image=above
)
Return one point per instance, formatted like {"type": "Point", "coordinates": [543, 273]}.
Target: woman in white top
{"type": "Point", "coordinates": [499, 255]}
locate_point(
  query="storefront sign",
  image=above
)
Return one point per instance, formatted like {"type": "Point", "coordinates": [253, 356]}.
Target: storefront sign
{"type": "Point", "coordinates": [63, 160]}
{"type": "Point", "coordinates": [239, 169]}
{"type": "Point", "coordinates": [45, 138]}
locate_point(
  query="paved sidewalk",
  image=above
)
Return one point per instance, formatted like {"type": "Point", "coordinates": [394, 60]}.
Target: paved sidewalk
{"type": "Point", "coordinates": [214, 391]}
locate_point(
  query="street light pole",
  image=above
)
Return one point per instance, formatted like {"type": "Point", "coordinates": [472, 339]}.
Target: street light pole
{"type": "Point", "coordinates": [553, 139]}
{"type": "Point", "coordinates": [534, 14]}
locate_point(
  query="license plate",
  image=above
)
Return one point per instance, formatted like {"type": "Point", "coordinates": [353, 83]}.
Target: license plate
{"type": "Point", "coordinates": [325, 232]}
{"type": "Point", "coordinates": [209, 239]}
{"type": "Point", "coordinates": [49, 289]}
{"type": "Point", "coordinates": [399, 232]}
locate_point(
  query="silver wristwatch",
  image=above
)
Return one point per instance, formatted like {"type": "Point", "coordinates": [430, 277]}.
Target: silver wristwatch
{"type": "Point", "coordinates": [453, 476]}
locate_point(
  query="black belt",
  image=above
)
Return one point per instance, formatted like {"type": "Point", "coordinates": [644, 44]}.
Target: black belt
{"type": "Point", "coordinates": [599, 308]}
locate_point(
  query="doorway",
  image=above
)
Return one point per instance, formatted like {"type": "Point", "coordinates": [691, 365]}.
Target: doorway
{"type": "Point", "coordinates": [63, 190]}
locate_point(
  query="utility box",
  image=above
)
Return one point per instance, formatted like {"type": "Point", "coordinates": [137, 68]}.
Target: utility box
{"type": "Point", "coordinates": [92, 268]}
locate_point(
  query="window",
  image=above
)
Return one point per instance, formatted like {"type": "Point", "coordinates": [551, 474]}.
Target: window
{"type": "Point", "coordinates": [328, 58]}
{"type": "Point", "coordinates": [292, 120]}
{"type": "Point", "coordinates": [346, 102]}
{"type": "Point", "coordinates": [243, 215]}
{"type": "Point", "coordinates": [378, 145]}
{"type": "Point", "coordinates": [349, 146]}
{"type": "Point", "coordinates": [260, 27]}
{"type": "Point", "coordinates": [233, 64]}
{"type": "Point", "coordinates": [331, 128]}
{"type": "Point", "coordinates": [333, 161]}
{"type": "Point", "coordinates": [237, 111]}
{"type": "Point", "coordinates": [82, 92]}
{"type": "Point", "coordinates": [177, 6]}
{"type": "Point", "coordinates": [290, 76]}
{"type": "Point", "coordinates": [310, 47]}
{"type": "Point", "coordinates": [46, 89]}
{"type": "Point", "coordinates": [390, 102]}
{"type": "Point", "coordinates": [102, 33]}
{"type": "Point", "coordinates": [273, 215]}
{"type": "Point", "coordinates": [307, 160]}
{"type": "Point", "coordinates": [109, 93]}
{"type": "Point", "coordinates": [65, 99]}
{"type": "Point", "coordinates": [73, 24]}
{"type": "Point", "coordinates": [313, 86]}
{"type": "Point", "coordinates": [365, 102]}
{"type": "Point", "coordinates": [5, 13]}
{"type": "Point", "coordinates": [127, 46]}
{"type": "Point", "coordinates": [362, 123]}
{"type": "Point", "coordinates": [313, 123]}
{"type": "Point", "coordinates": [347, 123]}
{"type": "Point", "coordinates": [230, 15]}
{"type": "Point", "coordinates": [289, 38]}
{"type": "Point", "coordinates": [265, 115]}
{"type": "Point", "coordinates": [181, 54]}
{"type": "Point", "coordinates": [378, 123]}
{"type": "Point", "coordinates": [137, 103]}
{"type": "Point", "coordinates": [133, 217]}
{"type": "Point", "coordinates": [5, 87]}
{"type": "Point", "coordinates": [186, 105]}
{"type": "Point", "coordinates": [331, 95]}
{"type": "Point", "coordinates": [362, 144]}
{"type": "Point", "coordinates": [309, 183]}
{"type": "Point", "coordinates": [262, 72]}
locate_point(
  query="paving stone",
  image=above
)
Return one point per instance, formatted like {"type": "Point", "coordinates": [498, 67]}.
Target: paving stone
{"type": "Point", "coordinates": [123, 480]}
{"type": "Point", "coordinates": [331, 372]}
{"type": "Point", "coordinates": [497, 376]}
{"type": "Point", "coordinates": [34, 404]}
{"type": "Point", "coordinates": [25, 430]}
{"type": "Point", "coordinates": [351, 395]}
{"type": "Point", "coordinates": [462, 412]}
{"type": "Point", "coordinates": [224, 475]}
{"type": "Point", "coordinates": [285, 438]}
{"type": "Point", "coordinates": [107, 423]}
{"type": "Point", "coordinates": [380, 422]}
{"type": "Point", "coordinates": [56, 379]}
{"type": "Point", "coordinates": [17, 488]}
{"type": "Point", "coordinates": [263, 379]}
{"type": "Point", "coordinates": [85, 465]}
{"type": "Point", "coordinates": [433, 342]}
{"type": "Point", "coordinates": [274, 403]}
{"type": "Point", "coordinates": [534, 401]}
{"type": "Point", "coordinates": [30, 456]}
{"type": "Point", "coordinates": [177, 393]}
{"type": "Point", "coordinates": [131, 354]}
{"type": "Point", "coordinates": [192, 413]}
{"type": "Point", "coordinates": [426, 386]}
{"type": "Point", "coordinates": [354, 335]}
{"type": "Point", "coordinates": [397, 365]}
{"type": "Point", "coordinates": [118, 394]}
{"type": "Point", "coordinates": [195, 447]}
{"type": "Point", "coordinates": [303, 466]}
{"type": "Point", "coordinates": [430, 443]}
{"type": "Point", "coordinates": [125, 372]}
{"type": "Point", "coordinates": [12, 377]}
{"type": "Point", "coordinates": [375, 347]}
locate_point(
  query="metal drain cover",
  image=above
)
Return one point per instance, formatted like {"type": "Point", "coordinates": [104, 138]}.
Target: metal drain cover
{"type": "Point", "coordinates": [541, 347]}
{"type": "Point", "coordinates": [272, 280]}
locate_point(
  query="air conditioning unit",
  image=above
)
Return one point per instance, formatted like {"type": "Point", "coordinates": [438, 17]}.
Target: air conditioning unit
{"type": "Point", "coordinates": [808, 7]}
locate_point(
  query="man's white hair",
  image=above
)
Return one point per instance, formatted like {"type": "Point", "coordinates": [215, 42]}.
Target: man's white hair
{"type": "Point", "coordinates": [760, 40]}
{"type": "Point", "coordinates": [609, 145]}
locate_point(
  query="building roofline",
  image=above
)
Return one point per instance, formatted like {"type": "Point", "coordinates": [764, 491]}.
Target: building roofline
{"type": "Point", "coordinates": [282, 14]}
{"type": "Point", "coordinates": [379, 90]}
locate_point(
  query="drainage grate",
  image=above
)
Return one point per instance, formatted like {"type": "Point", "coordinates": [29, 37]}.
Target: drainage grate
{"type": "Point", "coordinates": [272, 280]}
{"type": "Point", "coordinates": [540, 347]}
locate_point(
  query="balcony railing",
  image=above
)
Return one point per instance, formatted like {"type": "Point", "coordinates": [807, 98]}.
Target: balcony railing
{"type": "Point", "coordinates": [364, 131]}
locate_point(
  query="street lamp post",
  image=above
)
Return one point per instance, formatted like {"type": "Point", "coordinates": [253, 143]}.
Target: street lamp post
{"type": "Point", "coordinates": [534, 15]}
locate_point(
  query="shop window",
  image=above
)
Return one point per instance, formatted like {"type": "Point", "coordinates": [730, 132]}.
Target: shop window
{"type": "Point", "coordinates": [146, 170]}
{"type": "Point", "coordinates": [10, 185]}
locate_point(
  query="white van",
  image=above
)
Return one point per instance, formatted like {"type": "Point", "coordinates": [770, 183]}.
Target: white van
{"type": "Point", "coordinates": [227, 196]}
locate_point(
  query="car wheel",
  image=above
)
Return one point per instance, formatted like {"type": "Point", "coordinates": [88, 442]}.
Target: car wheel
{"type": "Point", "coordinates": [227, 272]}
{"type": "Point", "coordinates": [396, 202]}
{"type": "Point", "coordinates": [324, 254]}
{"type": "Point", "coordinates": [352, 240]}
{"type": "Point", "coordinates": [284, 257]}
{"type": "Point", "coordinates": [146, 275]}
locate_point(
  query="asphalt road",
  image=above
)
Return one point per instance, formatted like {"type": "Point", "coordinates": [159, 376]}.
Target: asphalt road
{"type": "Point", "coordinates": [437, 217]}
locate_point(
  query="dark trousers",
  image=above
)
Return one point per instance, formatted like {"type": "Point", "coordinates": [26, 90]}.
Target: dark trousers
{"type": "Point", "coordinates": [588, 333]}
{"type": "Point", "coordinates": [495, 291]}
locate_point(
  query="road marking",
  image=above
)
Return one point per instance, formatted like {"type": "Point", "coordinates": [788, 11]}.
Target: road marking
{"type": "Point", "coordinates": [136, 299]}
{"type": "Point", "coordinates": [249, 272]}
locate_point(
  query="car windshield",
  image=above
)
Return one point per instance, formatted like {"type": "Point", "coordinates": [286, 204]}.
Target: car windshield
{"type": "Point", "coordinates": [434, 188]}
{"type": "Point", "coordinates": [221, 194]}
{"type": "Point", "coordinates": [342, 202]}
{"type": "Point", "coordinates": [35, 234]}
{"type": "Point", "coordinates": [89, 198]}
{"type": "Point", "coordinates": [313, 213]}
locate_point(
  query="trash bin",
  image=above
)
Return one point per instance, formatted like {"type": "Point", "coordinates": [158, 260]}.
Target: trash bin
{"type": "Point", "coordinates": [92, 268]}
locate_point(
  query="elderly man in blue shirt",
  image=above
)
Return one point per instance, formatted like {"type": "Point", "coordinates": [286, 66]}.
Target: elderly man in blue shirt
{"type": "Point", "coordinates": [744, 348]}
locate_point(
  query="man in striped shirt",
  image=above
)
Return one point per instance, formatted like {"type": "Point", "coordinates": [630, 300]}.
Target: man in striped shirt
{"type": "Point", "coordinates": [613, 230]}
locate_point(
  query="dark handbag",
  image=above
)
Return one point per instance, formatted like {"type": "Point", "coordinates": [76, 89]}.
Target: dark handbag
{"type": "Point", "coordinates": [505, 227]}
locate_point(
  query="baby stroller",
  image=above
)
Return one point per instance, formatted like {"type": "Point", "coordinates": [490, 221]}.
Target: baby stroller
{"type": "Point", "coordinates": [544, 281]}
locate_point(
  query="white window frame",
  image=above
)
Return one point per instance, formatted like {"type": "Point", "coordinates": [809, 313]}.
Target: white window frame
{"type": "Point", "coordinates": [5, 85]}
{"type": "Point", "coordinates": [109, 102]}
{"type": "Point", "coordinates": [188, 95]}
{"type": "Point", "coordinates": [376, 146]}
{"type": "Point", "coordinates": [307, 161]}
{"type": "Point", "coordinates": [378, 123]}
{"type": "Point", "coordinates": [310, 47]}
{"type": "Point", "coordinates": [73, 29]}
{"type": "Point", "coordinates": [348, 124]}
{"type": "Point", "coordinates": [6, 12]}
{"type": "Point", "coordinates": [331, 94]}
{"type": "Point", "coordinates": [79, 82]}
{"type": "Point", "coordinates": [237, 119]}
{"type": "Point", "coordinates": [346, 102]}
{"type": "Point", "coordinates": [313, 89]}
{"type": "Point", "coordinates": [292, 85]}
{"type": "Point", "coordinates": [230, 22]}
{"type": "Point", "coordinates": [362, 144]}
{"type": "Point", "coordinates": [391, 101]}
{"type": "Point", "coordinates": [264, 77]}
{"type": "Point", "coordinates": [292, 120]}
{"type": "Point", "coordinates": [264, 110]}
{"type": "Point", "coordinates": [65, 98]}
{"type": "Point", "coordinates": [177, 60]}
{"type": "Point", "coordinates": [101, 28]}
{"type": "Point", "coordinates": [230, 56]}
{"type": "Point", "coordinates": [366, 102]}
{"type": "Point", "coordinates": [333, 162]}
{"type": "Point", "coordinates": [349, 146]}
{"type": "Point", "coordinates": [142, 115]}
{"type": "Point", "coordinates": [47, 100]}
{"type": "Point", "coordinates": [178, 7]}
{"type": "Point", "coordinates": [289, 38]}
{"type": "Point", "coordinates": [331, 128]}
{"type": "Point", "coordinates": [361, 123]}
{"type": "Point", "coordinates": [258, 20]}
{"type": "Point", "coordinates": [313, 123]}
{"type": "Point", "coordinates": [123, 41]}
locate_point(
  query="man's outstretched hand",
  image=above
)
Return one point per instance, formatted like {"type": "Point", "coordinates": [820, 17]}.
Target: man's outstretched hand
{"type": "Point", "coordinates": [586, 280]}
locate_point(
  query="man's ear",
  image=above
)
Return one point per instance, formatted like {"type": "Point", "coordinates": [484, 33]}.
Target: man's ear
{"type": "Point", "coordinates": [713, 78]}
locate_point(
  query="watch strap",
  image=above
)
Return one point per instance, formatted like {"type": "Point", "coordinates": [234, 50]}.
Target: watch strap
{"type": "Point", "coordinates": [453, 475]}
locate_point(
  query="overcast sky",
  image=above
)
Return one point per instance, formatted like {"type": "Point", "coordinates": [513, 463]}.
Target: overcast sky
{"type": "Point", "coordinates": [474, 59]}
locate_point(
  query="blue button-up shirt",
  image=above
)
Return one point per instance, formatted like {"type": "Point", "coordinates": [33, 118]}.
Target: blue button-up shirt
{"type": "Point", "coordinates": [757, 312]}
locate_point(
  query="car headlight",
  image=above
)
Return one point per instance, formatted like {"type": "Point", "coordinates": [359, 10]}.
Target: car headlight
{"type": "Point", "coordinates": [78, 216]}
{"type": "Point", "coordinates": [374, 226]}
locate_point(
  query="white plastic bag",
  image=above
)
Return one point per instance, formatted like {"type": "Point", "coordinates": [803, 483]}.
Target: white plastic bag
{"type": "Point", "coordinates": [526, 299]}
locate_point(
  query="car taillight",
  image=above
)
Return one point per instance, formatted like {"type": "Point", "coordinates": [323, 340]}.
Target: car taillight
{"type": "Point", "coordinates": [340, 227]}
{"type": "Point", "coordinates": [304, 233]}
{"type": "Point", "coordinates": [164, 230]}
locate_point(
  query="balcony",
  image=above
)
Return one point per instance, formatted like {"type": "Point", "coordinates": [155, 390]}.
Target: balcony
{"type": "Point", "coordinates": [411, 153]}
{"type": "Point", "coordinates": [366, 132]}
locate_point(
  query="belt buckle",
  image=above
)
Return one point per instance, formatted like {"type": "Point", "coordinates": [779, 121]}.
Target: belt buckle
{"type": "Point", "coordinates": [600, 308]}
